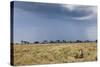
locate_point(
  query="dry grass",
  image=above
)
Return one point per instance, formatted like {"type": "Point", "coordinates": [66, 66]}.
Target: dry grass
{"type": "Point", "coordinates": [54, 53]}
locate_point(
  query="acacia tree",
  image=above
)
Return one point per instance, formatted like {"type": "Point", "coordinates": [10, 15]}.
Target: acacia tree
{"type": "Point", "coordinates": [45, 41]}
{"type": "Point", "coordinates": [87, 41]}
{"type": "Point", "coordinates": [57, 41]}
{"type": "Point", "coordinates": [51, 41]}
{"type": "Point", "coordinates": [64, 41]}
{"type": "Point", "coordinates": [78, 41]}
{"type": "Point", "coordinates": [24, 42]}
{"type": "Point", "coordinates": [36, 42]}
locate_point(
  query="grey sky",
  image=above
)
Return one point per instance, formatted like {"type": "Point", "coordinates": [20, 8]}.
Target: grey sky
{"type": "Point", "coordinates": [45, 21]}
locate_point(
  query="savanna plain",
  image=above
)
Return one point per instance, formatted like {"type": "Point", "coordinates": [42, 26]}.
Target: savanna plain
{"type": "Point", "coordinates": [54, 53]}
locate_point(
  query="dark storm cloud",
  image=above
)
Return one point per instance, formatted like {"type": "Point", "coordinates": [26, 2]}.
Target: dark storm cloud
{"type": "Point", "coordinates": [45, 21]}
{"type": "Point", "coordinates": [55, 10]}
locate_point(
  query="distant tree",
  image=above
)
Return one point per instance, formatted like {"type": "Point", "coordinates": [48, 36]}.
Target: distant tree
{"type": "Point", "coordinates": [51, 41]}
{"type": "Point", "coordinates": [24, 42]}
{"type": "Point", "coordinates": [96, 41]}
{"type": "Point", "coordinates": [87, 41]}
{"type": "Point", "coordinates": [70, 41]}
{"type": "Point", "coordinates": [36, 42]}
{"type": "Point", "coordinates": [27, 42]}
{"type": "Point", "coordinates": [45, 41]}
{"type": "Point", "coordinates": [78, 41]}
{"type": "Point", "coordinates": [57, 41]}
{"type": "Point", "coordinates": [64, 41]}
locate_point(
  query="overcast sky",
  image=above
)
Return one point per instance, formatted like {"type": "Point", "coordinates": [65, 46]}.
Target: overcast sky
{"type": "Point", "coordinates": [44, 21]}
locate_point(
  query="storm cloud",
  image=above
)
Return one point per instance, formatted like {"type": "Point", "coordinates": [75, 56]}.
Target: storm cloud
{"type": "Point", "coordinates": [45, 21]}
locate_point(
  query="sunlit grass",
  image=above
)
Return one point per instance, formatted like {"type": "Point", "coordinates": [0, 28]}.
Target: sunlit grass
{"type": "Point", "coordinates": [54, 53]}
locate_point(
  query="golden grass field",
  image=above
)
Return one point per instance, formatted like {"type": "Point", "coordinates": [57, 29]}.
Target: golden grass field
{"type": "Point", "coordinates": [54, 53]}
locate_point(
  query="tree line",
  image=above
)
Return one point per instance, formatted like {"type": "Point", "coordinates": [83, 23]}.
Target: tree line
{"type": "Point", "coordinates": [57, 41]}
